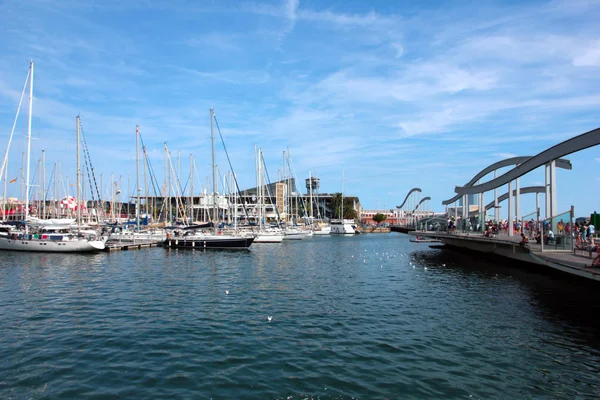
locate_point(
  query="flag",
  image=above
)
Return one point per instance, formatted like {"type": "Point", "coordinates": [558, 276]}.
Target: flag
{"type": "Point", "coordinates": [13, 180]}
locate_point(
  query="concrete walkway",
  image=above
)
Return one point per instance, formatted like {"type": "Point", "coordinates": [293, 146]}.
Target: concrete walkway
{"type": "Point", "coordinates": [563, 260]}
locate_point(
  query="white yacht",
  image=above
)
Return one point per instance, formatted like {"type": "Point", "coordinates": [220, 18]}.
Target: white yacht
{"type": "Point", "coordinates": [56, 236]}
{"type": "Point", "coordinates": [343, 227]}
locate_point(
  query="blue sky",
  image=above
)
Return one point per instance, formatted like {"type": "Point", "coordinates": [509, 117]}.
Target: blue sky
{"type": "Point", "coordinates": [395, 94]}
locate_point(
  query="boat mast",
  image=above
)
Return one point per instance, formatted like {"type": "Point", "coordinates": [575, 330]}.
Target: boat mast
{"type": "Point", "coordinates": [257, 180]}
{"type": "Point", "coordinates": [311, 196]}
{"type": "Point", "coordinates": [214, 171]}
{"type": "Point", "coordinates": [137, 178]}
{"type": "Point", "coordinates": [235, 200]}
{"type": "Point", "coordinates": [285, 193]}
{"type": "Point", "coordinates": [342, 197]}
{"type": "Point", "coordinates": [43, 205]}
{"type": "Point", "coordinates": [191, 189]}
{"type": "Point", "coordinates": [78, 196]}
{"type": "Point", "coordinates": [28, 143]}
{"type": "Point", "coordinates": [4, 169]}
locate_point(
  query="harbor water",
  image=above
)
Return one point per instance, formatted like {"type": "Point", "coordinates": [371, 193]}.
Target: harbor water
{"type": "Point", "coordinates": [367, 317]}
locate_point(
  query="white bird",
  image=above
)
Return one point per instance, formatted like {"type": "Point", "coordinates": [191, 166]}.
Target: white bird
{"type": "Point", "coordinates": [425, 268]}
{"type": "Point", "coordinates": [443, 265]}
{"type": "Point", "coordinates": [227, 292]}
{"type": "Point", "coordinates": [269, 318]}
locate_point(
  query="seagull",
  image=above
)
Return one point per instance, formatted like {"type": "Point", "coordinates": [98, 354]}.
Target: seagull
{"type": "Point", "coordinates": [227, 292]}
{"type": "Point", "coordinates": [443, 265]}
{"type": "Point", "coordinates": [425, 268]}
{"type": "Point", "coordinates": [269, 318]}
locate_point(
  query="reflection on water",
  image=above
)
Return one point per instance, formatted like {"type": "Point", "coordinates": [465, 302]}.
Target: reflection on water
{"type": "Point", "coordinates": [371, 316]}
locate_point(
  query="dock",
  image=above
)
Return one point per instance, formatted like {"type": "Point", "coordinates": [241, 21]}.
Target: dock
{"type": "Point", "coordinates": [129, 245]}
{"type": "Point", "coordinates": [576, 262]}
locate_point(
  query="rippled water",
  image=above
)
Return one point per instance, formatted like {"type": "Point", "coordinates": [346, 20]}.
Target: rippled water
{"type": "Point", "coordinates": [353, 317]}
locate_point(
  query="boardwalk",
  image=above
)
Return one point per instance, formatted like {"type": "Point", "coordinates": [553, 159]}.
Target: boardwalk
{"type": "Point", "coordinates": [575, 263]}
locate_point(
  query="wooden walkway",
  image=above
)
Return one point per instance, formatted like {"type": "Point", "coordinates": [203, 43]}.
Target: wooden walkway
{"type": "Point", "coordinates": [129, 245]}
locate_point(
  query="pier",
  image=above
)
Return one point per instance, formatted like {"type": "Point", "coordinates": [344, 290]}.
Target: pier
{"type": "Point", "coordinates": [577, 262]}
{"type": "Point", "coordinates": [129, 245]}
{"type": "Point", "coordinates": [466, 226]}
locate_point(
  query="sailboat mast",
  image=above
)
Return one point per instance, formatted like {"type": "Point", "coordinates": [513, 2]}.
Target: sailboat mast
{"type": "Point", "coordinates": [260, 190]}
{"type": "Point", "coordinates": [137, 179]}
{"type": "Point", "coordinates": [285, 192]}
{"type": "Point", "coordinates": [214, 171]}
{"type": "Point", "coordinates": [257, 180]}
{"type": "Point", "coordinates": [78, 196]}
{"type": "Point", "coordinates": [311, 195]}
{"type": "Point", "coordinates": [342, 197]}
{"type": "Point", "coordinates": [191, 189]}
{"type": "Point", "coordinates": [43, 205]}
{"type": "Point", "coordinates": [29, 142]}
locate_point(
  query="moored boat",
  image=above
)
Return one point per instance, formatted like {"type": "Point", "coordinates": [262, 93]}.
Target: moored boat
{"type": "Point", "coordinates": [343, 227]}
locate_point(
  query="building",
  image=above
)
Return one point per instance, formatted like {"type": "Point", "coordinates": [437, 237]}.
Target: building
{"type": "Point", "coordinates": [366, 216]}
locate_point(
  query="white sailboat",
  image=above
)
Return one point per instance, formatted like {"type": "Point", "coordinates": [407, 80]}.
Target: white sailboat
{"type": "Point", "coordinates": [50, 235]}
{"type": "Point", "coordinates": [264, 235]}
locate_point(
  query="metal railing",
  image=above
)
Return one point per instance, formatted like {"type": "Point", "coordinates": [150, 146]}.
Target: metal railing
{"type": "Point", "coordinates": [557, 233]}
{"type": "Point", "coordinates": [530, 224]}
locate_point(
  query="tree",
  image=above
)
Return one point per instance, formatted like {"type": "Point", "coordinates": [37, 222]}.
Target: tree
{"type": "Point", "coordinates": [379, 218]}
{"type": "Point", "coordinates": [349, 211]}
{"type": "Point", "coordinates": [336, 206]}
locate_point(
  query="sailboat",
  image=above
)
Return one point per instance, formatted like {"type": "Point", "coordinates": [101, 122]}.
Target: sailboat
{"type": "Point", "coordinates": [193, 238]}
{"type": "Point", "coordinates": [265, 235]}
{"type": "Point", "coordinates": [54, 235]}
{"type": "Point", "coordinates": [137, 234]}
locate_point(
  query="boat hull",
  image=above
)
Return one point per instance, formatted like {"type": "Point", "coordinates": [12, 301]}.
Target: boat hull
{"type": "Point", "coordinates": [342, 230]}
{"type": "Point", "coordinates": [51, 246]}
{"type": "Point", "coordinates": [262, 238]}
{"type": "Point", "coordinates": [228, 243]}
{"type": "Point", "coordinates": [296, 235]}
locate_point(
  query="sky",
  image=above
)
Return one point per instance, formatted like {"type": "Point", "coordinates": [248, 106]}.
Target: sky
{"type": "Point", "coordinates": [389, 95]}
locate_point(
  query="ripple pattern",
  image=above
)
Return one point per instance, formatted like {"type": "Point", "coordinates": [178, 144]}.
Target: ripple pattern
{"type": "Point", "coordinates": [364, 317]}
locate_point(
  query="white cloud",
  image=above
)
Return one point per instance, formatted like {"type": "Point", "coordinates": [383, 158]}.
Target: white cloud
{"type": "Point", "coordinates": [398, 49]}
{"type": "Point", "coordinates": [590, 57]}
